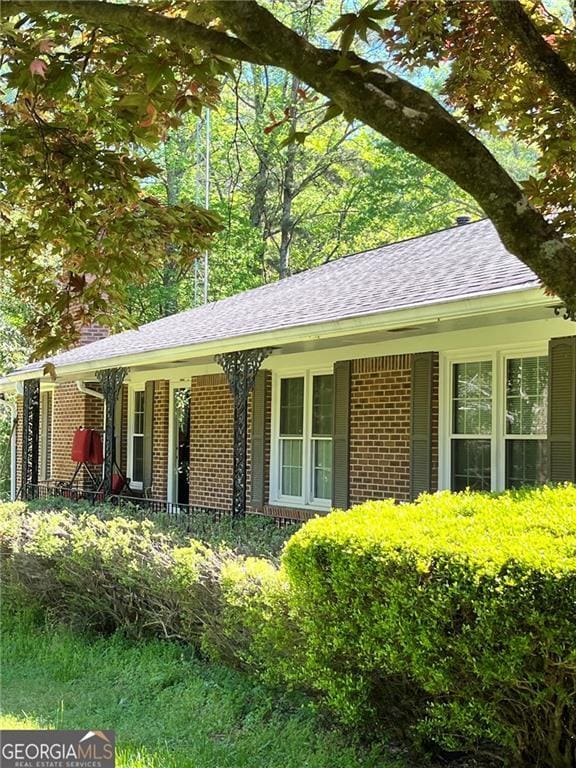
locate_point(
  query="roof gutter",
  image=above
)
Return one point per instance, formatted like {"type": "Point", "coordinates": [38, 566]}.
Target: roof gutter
{"type": "Point", "coordinates": [87, 391]}
{"type": "Point", "coordinates": [477, 305]}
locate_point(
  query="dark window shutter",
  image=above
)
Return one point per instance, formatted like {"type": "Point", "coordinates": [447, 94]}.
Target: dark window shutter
{"type": "Point", "coordinates": [258, 440]}
{"type": "Point", "coordinates": [561, 409]}
{"type": "Point", "coordinates": [421, 424]}
{"type": "Point", "coordinates": [118, 425]}
{"type": "Point", "coordinates": [148, 429]}
{"type": "Point", "coordinates": [341, 436]}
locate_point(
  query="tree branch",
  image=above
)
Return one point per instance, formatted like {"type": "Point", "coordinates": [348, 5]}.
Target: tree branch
{"type": "Point", "coordinates": [110, 15]}
{"type": "Point", "coordinates": [414, 120]}
{"type": "Point", "coordinates": [541, 57]}
{"type": "Point", "coordinates": [395, 108]}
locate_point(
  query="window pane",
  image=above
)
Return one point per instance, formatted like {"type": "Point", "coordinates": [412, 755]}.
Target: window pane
{"type": "Point", "coordinates": [527, 396]}
{"type": "Point", "coordinates": [322, 469]}
{"type": "Point", "coordinates": [526, 462]}
{"type": "Point", "coordinates": [292, 406]}
{"type": "Point", "coordinates": [137, 459]}
{"type": "Point", "coordinates": [472, 399]}
{"type": "Point", "coordinates": [322, 406]}
{"type": "Point", "coordinates": [471, 465]}
{"type": "Point", "coordinates": [291, 468]}
{"type": "Point", "coordinates": [139, 413]}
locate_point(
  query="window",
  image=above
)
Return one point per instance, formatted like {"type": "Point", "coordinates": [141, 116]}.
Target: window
{"type": "Point", "coordinates": [45, 463]}
{"type": "Point", "coordinates": [136, 459]}
{"type": "Point", "coordinates": [498, 422]}
{"type": "Point", "coordinates": [304, 445]}
{"type": "Point", "coordinates": [526, 421]}
{"type": "Point", "coordinates": [472, 426]}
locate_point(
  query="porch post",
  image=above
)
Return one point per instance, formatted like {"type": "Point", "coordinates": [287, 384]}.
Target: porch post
{"type": "Point", "coordinates": [241, 369]}
{"type": "Point", "coordinates": [30, 436]}
{"type": "Point", "coordinates": [111, 381]}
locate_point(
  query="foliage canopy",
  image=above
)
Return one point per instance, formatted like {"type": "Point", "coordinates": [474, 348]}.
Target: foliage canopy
{"type": "Point", "coordinates": [91, 87]}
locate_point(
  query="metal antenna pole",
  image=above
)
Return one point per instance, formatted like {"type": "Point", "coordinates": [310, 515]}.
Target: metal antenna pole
{"type": "Point", "coordinates": [207, 198]}
{"type": "Point", "coordinates": [202, 197]}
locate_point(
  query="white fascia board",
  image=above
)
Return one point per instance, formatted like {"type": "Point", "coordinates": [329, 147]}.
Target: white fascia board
{"type": "Point", "coordinates": [475, 305]}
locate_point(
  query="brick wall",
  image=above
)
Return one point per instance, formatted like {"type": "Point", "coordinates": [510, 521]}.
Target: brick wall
{"type": "Point", "coordinates": [379, 433]}
{"type": "Point", "coordinates": [211, 442]}
{"type": "Point", "coordinates": [72, 409]}
{"type": "Point", "coordinates": [380, 428]}
{"type": "Point", "coordinates": [160, 439]}
{"type": "Point", "coordinates": [91, 333]}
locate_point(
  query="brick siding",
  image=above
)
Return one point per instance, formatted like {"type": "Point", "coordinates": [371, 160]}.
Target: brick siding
{"type": "Point", "coordinates": [380, 428]}
{"type": "Point", "coordinates": [72, 409]}
{"type": "Point", "coordinates": [379, 433]}
{"type": "Point", "coordinates": [160, 439]}
{"type": "Point", "coordinates": [19, 438]}
{"type": "Point", "coordinates": [211, 442]}
{"type": "Point", "coordinates": [91, 333]}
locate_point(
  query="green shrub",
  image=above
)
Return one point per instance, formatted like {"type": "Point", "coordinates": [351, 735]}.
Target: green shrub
{"type": "Point", "coordinates": [454, 618]}
{"type": "Point", "coordinates": [254, 628]}
{"type": "Point", "coordinates": [451, 620]}
{"type": "Point", "coordinates": [105, 575]}
{"type": "Point", "coordinates": [253, 536]}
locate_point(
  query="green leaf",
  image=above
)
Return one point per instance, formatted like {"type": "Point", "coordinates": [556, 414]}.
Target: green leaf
{"type": "Point", "coordinates": [332, 111]}
{"type": "Point", "coordinates": [343, 22]}
{"type": "Point", "coordinates": [347, 38]}
{"type": "Point", "coordinates": [298, 137]}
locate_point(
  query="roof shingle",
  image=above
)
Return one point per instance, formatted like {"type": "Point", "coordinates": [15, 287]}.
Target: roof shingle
{"type": "Point", "coordinates": [456, 263]}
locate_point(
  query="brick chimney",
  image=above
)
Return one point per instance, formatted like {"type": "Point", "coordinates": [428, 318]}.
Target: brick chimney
{"type": "Point", "coordinates": [90, 333]}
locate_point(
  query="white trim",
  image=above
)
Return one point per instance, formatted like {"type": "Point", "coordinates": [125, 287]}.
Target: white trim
{"type": "Point", "coordinates": [132, 389]}
{"type": "Point", "coordinates": [171, 469]}
{"type": "Point", "coordinates": [46, 419]}
{"type": "Point", "coordinates": [306, 501]}
{"type": "Point", "coordinates": [432, 313]}
{"type": "Point", "coordinates": [81, 386]}
{"type": "Point", "coordinates": [498, 356]}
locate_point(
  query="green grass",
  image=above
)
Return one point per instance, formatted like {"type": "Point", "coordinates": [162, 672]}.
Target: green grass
{"type": "Point", "coordinates": [169, 710]}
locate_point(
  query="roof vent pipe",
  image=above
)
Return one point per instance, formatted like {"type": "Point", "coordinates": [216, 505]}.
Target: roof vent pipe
{"type": "Point", "coordinates": [461, 220]}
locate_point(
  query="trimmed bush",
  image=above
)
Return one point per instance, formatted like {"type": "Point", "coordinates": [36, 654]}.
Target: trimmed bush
{"type": "Point", "coordinates": [107, 575]}
{"type": "Point", "coordinates": [450, 621]}
{"type": "Point", "coordinates": [453, 619]}
{"type": "Point", "coordinates": [253, 536]}
{"type": "Point", "coordinates": [254, 629]}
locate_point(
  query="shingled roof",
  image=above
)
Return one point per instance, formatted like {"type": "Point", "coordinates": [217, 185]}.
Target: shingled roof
{"type": "Point", "coordinates": [461, 262]}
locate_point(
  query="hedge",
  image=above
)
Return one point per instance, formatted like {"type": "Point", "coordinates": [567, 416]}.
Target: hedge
{"type": "Point", "coordinates": [450, 621]}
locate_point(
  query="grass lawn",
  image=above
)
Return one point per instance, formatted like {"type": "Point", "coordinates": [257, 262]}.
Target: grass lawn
{"type": "Point", "coordinates": [169, 710]}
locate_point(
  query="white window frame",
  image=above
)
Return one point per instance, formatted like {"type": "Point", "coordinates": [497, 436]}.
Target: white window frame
{"type": "Point", "coordinates": [47, 418]}
{"type": "Point", "coordinates": [498, 356]}
{"type": "Point", "coordinates": [132, 389]}
{"type": "Point", "coordinates": [307, 500]}
{"type": "Point", "coordinates": [172, 477]}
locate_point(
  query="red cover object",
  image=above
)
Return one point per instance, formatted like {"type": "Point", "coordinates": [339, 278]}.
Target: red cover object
{"type": "Point", "coordinates": [117, 483]}
{"type": "Point", "coordinates": [81, 445]}
{"type": "Point", "coordinates": [96, 455]}
{"type": "Point", "coordinates": [87, 447]}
